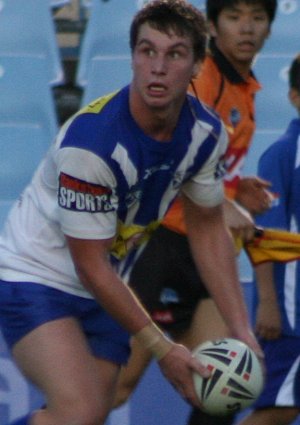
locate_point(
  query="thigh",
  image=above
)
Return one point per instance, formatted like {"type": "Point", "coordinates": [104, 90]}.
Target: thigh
{"type": "Point", "coordinates": [282, 359]}
{"type": "Point", "coordinates": [25, 306]}
{"type": "Point", "coordinates": [207, 324]}
{"type": "Point", "coordinates": [56, 357]}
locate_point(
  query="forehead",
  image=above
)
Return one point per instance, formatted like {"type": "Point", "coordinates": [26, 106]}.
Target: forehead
{"type": "Point", "coordinates": [246, 6]}
{"type": "Point", "coordinates": [167, 39]}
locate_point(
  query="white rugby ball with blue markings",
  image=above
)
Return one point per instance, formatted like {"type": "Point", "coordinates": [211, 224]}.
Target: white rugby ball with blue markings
{"type": "Point", "coordinates": [236, 380]}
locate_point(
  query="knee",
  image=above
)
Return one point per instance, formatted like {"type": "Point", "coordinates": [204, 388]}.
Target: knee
{"type": "Point", "coordinates": [88, 411]}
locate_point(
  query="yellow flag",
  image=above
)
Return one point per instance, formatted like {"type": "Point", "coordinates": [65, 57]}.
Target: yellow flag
{"type": "Point", "coordinates": [273, 245]}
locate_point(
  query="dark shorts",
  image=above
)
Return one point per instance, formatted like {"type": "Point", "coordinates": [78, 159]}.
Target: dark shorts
{"type": "Point", "coordinates": [166, 280]}
{"type": "Point", "coordinates": [282, 387]}
{"type": "Point", "coordinates": [24, 306]}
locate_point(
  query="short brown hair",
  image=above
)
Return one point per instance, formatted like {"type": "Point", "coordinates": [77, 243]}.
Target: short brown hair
{"type": "Point", "coordinates": [176, 15]}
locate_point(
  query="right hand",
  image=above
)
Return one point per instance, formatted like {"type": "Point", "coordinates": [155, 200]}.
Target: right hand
{"type": "Point", "coordinates": [247, 336]}
{"type": "Point", "coordinates": [177, 366]}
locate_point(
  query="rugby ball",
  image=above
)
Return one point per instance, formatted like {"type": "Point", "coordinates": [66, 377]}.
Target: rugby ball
{"type": "Point", "coordinates": [236, 379]}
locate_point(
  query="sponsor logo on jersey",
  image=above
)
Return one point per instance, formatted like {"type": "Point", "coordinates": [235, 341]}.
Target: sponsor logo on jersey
{"type": "Point", "coordinates": [235, 117]}
{"type": "Point", "coordinates": [150, 171]}
{"type": "Point", "coordinates": [78, 195]}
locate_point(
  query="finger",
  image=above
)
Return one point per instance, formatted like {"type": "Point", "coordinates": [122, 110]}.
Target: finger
{"type": "Point", "coordinates": [262, 182]}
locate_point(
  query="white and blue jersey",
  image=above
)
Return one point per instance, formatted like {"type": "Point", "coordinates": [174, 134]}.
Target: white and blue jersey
{"type": "Point", "coordinates": [280, 164]}
{"type": "Point", "coordinates": [105, 178]}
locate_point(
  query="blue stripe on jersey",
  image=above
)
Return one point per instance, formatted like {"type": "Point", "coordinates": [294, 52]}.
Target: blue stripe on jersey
{"type": "Point", "coordinates": [113, 135]}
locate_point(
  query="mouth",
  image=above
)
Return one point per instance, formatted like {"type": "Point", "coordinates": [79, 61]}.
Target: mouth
{"type": "Point", "coordinates": [246, 46]}
{"type": "Point", "coordinates": [157, 89]}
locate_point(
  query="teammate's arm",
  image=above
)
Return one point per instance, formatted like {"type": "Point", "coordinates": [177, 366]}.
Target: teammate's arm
{"type": "Point", "coordinates": [268, 318]}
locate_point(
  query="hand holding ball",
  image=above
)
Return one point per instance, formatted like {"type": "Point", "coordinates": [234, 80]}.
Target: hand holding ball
{"type": "Point", "coordinates": [236, 376]}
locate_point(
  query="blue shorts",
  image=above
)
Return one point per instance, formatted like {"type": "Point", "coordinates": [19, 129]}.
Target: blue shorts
{"type": "Point", "coordinates": [282, 360]}
{"type": "Point", "coordinates": [24, 306]}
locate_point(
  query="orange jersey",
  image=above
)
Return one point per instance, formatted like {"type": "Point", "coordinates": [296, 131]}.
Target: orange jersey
{"type": "Point", "coordinates": [222, 88]}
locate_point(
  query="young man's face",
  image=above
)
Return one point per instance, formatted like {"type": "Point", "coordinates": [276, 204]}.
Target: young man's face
{"type": "Point", "coordinates": [163, 66]}
{"type": "Point", "coordinates": [241, 31]}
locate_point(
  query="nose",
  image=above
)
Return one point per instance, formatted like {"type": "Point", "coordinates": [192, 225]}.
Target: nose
{"type": "Point", "coordinates": [247, 25]}
{"type": "Point", "coordinates": [159, 65]}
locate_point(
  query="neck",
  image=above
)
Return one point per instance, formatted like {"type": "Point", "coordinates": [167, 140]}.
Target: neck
{"type": "Point", "coordinates": [157, 123]}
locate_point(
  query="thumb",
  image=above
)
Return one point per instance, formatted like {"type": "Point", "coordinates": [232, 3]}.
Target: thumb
{"type": "Point", "coordinates": [197, 366]}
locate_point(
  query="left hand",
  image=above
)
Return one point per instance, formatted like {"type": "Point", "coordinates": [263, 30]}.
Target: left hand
{"type": "Point", "coordinates": [268, 320]}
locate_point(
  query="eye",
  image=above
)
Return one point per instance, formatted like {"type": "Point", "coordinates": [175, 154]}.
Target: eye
{"type": "Point", "coordinates": [260, 18]}
{"type": "Point", "coordinates": [175, 55]}
{"type": "Point", "coordinates": [232, 16]}
{"type": "Point", "coordinates": [150, 52]}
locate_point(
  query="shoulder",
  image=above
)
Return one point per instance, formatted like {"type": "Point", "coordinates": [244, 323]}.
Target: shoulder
{"type": "Point", "coordinates": [205, 114]}
{"type": "Point", "coordinates": [95, 127]}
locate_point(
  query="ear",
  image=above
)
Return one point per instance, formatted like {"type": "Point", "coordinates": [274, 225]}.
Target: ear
{"type": "Point", "coordinates": [294, 97]}
{"type": "Point", "coordinates": [212, 30]}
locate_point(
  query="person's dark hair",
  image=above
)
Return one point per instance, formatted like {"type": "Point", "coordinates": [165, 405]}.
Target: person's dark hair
{"type": "Point", "coordinates": [173, 15]}
{"type": "Point", "coordinates": [294, 74]}
{"type": "Point", "coordinates": [215, 7]}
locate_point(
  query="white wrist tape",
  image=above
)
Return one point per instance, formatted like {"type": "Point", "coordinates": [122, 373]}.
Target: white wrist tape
{"type": "Point", "coordinates": [152, 338]}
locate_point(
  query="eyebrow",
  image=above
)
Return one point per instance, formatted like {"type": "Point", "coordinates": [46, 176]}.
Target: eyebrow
{"type": "Point", "coordinates": [174, 46]}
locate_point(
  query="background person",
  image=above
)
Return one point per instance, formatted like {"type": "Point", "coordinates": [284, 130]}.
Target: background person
{"type": "Point", "coordinates": [278, 309]}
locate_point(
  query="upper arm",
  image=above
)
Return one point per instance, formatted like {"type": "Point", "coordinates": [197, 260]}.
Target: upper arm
{"type": "Point", "coordinates": [87, 199]}
{"type": "Point", "coordinates": [206, 188]}
{"type": "Point", "coordinates": [90, 258]}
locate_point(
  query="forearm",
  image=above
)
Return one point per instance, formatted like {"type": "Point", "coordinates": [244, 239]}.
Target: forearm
{"type": "Point", "coordinates": [214, 255]}
{"type": "Point", "coordinates": [217, 265]}
{"type": "Point", "coordinates": [268, 316]}
{"type": "Point", "coordinates": [265, 282]}
{"type": "Point", "coordinates": [99, 277]}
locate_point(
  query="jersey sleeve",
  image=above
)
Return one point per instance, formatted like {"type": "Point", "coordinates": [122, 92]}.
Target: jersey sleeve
{"type": "Point", "coordinates": [87, 200]}
{"type": "Point", "coordinates": [206, 188]}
